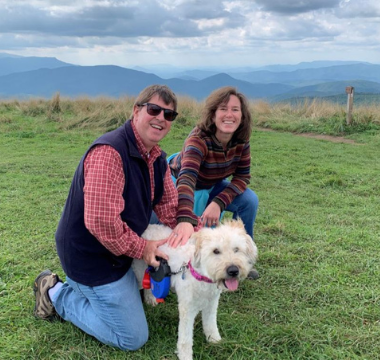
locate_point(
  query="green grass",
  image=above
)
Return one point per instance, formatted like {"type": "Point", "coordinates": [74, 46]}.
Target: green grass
{"type": "Point", "coordinates": [317, 231]}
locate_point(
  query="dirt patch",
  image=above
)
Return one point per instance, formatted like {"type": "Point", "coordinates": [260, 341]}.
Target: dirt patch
{"type": "Point", "coordinates": [335, 139]}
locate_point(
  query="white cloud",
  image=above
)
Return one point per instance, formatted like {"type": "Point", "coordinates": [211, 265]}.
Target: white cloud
{"type": "Point", "coordinates": [191, 32]}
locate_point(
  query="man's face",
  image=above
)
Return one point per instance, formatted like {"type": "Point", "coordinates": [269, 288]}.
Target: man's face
{"type": "Point", "coordinates": [151, 129]}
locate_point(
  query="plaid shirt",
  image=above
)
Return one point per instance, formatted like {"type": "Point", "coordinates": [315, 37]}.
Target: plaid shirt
{"type": "Point", "coordinates": [104, 202]}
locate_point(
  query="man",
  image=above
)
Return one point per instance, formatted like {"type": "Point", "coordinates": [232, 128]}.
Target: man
{"type": "Point", "coordinates": [120, 180]}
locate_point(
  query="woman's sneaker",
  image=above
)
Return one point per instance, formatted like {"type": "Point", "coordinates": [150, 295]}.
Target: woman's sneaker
{"type": "Point", "coordinates": [44, 308]}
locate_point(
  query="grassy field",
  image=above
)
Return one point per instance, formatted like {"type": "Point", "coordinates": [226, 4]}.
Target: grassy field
{"type": "Point", "coordinates": [317, 230]}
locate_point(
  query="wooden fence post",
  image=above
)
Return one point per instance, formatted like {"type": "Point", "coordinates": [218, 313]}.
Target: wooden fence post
{"type": "Point", "coordinates": [350, 103]}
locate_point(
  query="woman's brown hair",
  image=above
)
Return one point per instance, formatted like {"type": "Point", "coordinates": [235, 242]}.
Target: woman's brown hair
{"type": "Point", "coordinates": [221, 96]}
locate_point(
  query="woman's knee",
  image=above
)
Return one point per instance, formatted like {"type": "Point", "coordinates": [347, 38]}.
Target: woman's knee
{"type": "Point", "coordinates": [251, 199]}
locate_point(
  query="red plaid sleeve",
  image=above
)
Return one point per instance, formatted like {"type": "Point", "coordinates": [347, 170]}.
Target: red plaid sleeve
{"type": "Point", "coordinates": [104, 202]}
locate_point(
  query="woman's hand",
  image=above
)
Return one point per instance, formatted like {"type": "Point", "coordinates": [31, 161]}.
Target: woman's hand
{"type": "Point", "coordinates": [211, 215]}
{"type": "Point", "coordinates": [181, 234]}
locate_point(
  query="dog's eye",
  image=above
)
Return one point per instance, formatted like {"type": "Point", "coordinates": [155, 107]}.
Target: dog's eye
{"type": "Point", "coordinates": [236, 249]}
{"type": "Point", "coordinates": [216, 251]}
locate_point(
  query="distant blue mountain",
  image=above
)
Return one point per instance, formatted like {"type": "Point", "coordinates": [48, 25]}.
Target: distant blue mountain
{"type": "Point", "coordinates": [25, 77]}
{"type": "Point", "coordinates": [307, 65]}
{"type": "Point", "coordinates": [6, 55]}
{"type": "Point", "coordinates": [12, 64]}
{"type": "Point", "coordinates": [329, 89]}
{"type": "Point", "coordinates": [196, 74]}
{"type": "Point", "coordinates": [167, 71]}
{"type": "Point", "coordinates": [116, 81]}
{"type": "Point", "coordinates": [361, 71]}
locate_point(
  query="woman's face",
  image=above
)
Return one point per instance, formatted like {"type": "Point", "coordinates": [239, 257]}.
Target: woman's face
{"type": "Point", "coordinates": [227, 118]}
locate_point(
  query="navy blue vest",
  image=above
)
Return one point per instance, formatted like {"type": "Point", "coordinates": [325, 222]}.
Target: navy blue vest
{"type": "Point", "coordinates": [84, 259]}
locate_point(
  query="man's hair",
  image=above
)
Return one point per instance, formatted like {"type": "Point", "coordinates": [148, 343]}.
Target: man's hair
{"type": "Point", "coordinates": [163, 92]}
{"type": "Point", "coordinates": [222, 96]}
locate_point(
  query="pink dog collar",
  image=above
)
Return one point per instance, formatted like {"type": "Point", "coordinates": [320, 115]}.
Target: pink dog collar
{"type": "Point", "coordinates": [198, 276]}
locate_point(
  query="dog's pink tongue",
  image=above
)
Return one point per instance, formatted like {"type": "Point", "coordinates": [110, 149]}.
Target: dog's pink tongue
{"type": "Point", "coordinates": [232, 284]}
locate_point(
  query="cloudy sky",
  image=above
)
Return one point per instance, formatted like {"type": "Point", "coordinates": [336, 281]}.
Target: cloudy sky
{"type": "Point", "coordinates": [192, 33]}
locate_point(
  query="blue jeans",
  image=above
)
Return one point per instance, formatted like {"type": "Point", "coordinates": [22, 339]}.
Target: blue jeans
{"type": "Point", "coordinates": [244, 205]}
{"type": "Point", "coordinates": [112, 313]}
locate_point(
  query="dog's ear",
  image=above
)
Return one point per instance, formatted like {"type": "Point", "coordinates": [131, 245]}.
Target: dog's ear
{"type": "Point", "coordinates": [197, 252]}
{"type": "Point", "coordinates": [237, 224]}
{"type": "Point", "coordinates": [252, 252]}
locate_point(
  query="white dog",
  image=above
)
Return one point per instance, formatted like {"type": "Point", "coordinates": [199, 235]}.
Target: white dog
{"type": "Point", "coordinates": [213, 260]}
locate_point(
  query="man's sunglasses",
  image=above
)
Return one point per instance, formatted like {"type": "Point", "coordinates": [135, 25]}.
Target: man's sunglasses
{"type": "Point", "coordinates": [155, 110]}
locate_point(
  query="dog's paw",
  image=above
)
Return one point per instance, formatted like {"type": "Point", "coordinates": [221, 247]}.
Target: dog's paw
{"type": "Point", "coordinates": [215, 338]}
{"type": "Point", "coordinates": [149, 298]}
{"type": "Point", "coordinates": [184, 352]}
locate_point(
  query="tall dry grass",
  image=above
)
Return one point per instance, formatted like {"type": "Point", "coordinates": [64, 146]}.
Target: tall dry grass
{"type": "Point", "coordinates": [315, 116]}
{"type": "Point", "coordinates": [108, 113]}
{"type": "Point", "coordinates": [317, 108]}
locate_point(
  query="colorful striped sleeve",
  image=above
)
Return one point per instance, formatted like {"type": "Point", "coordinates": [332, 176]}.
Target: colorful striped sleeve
{"type": "Point", "coordinates": [192, 156]}
{"type": "Point", "coordinates": [240, 179]}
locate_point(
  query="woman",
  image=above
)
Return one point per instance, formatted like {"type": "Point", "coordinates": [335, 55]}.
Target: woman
{"type": "Point", "coordinates": [217, 148]}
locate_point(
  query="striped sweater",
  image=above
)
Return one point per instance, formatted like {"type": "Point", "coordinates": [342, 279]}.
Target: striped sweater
{"type": "Point", "coordinates": [202, 163]}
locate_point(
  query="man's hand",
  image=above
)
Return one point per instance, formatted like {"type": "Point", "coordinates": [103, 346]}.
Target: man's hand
{"type": "Point", "coordinates": [151, 251]}
{"type": "Point", "coordinates": [181, 234]}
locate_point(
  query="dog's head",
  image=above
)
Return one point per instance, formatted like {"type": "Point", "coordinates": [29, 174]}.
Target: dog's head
{"type": "Point", "coordinates": [225, 254]}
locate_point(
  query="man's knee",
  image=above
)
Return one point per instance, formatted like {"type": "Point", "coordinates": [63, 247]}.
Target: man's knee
{"type": "Point", "coordinates": [134, 342]}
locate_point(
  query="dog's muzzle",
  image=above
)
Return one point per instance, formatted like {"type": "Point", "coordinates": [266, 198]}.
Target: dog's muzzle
{"type": "Point", "coordinates": [232, 282]}
{"type": "Point", "coordinates": [233, 271]}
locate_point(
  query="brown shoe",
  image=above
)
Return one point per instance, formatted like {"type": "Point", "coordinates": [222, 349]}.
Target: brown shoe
{"type": "Point", "coordinates": [44, 308]}
{"type": "Point", "coordinates": [253, 275]}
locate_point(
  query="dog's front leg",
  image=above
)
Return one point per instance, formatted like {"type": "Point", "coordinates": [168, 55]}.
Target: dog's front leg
{"type": "Point", "coordinates": [187, 314]}
{"type": "Point", "coordinates": [209, 322]}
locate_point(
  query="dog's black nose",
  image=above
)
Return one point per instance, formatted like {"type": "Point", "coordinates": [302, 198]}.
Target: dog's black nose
{"type": "Point", "coordinates": [233, 271]}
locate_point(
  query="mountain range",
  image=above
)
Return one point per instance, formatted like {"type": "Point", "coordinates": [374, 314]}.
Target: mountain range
{"type": "Point", "coordinates": [25, 77]}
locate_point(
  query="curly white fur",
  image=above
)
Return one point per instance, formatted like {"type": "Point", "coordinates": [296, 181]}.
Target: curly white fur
{"type": "Point", "coordinates": [224, 254]}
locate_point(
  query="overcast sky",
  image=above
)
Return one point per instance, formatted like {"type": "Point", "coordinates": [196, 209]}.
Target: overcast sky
{"type": "Point", "coordinates": [192, 33]}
